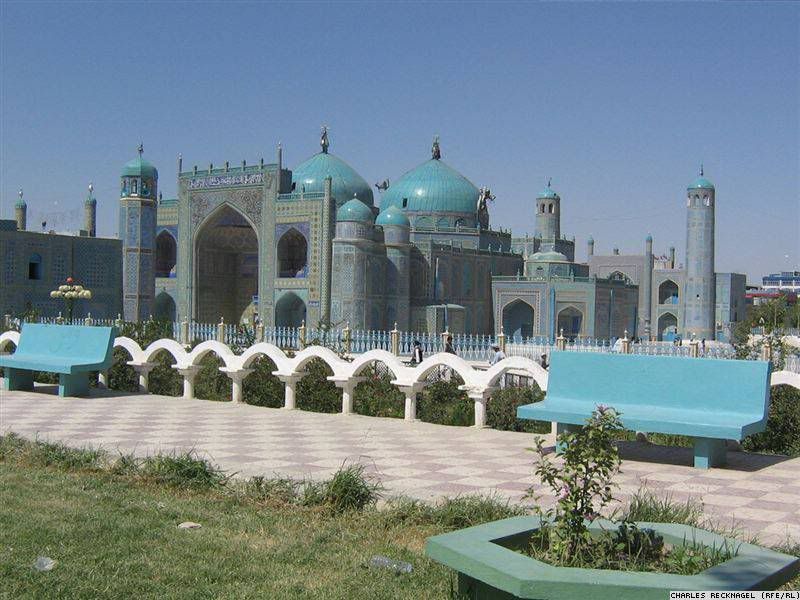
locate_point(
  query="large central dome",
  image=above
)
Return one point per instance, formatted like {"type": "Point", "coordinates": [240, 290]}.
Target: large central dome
{"type": "Point", "coordinates": [309, 176]}
{"type": "Point", "coordinates": [434, 187]}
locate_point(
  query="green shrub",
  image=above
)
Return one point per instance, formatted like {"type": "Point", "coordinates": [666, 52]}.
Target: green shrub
{"type": "Point", "coordinates": [377, 397]}
{"type": "Point", "coordinates": [211, 383]}
{"type": "Point", "coordinates": [443, 403]}
{"type": "Point", "coordinates": [163, 379]}
{"type": "Point", "coordinates": [315, 393]}
{"type": "Point", "coordinates": [261, 387]}
{"type": "Point", "coordinates": [121, 376]}
{"type": "Point", "coordinates": [646, 506]}
{"type": "Point", "coordinates": [350, 489]}
{"type": "Point", "coordinates": [184, 470]}
{"type": "Point", "coordinates": [782, 435]}
{"type": "Point", "coordinates": [501, 410]}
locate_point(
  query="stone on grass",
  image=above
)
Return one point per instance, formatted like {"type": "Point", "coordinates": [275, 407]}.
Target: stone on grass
{"type": "Point", "coordinates": [189, 525]}
{"type": "Point", "coordinates": [44, 563]}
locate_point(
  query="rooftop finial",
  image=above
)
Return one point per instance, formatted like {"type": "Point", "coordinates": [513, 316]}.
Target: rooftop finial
{"type": "Point", "coordinates": [91, 188]}
{"type": "Point", "coordinates": [20, 194]}
{"type": "Point", "coordinates": [701, 169]}
{"type": "Point", "coordinates": [548, 181]}
{"type": "Point", "coordinates": [323, 140]}
{"type": "Point", "coordinates": [140, 149]}
{"type": "Point", "coordinates": [436, 151]}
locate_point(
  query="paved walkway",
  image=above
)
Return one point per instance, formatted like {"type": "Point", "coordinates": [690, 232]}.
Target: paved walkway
{"type": "Point", "coordinates": [759, 494]}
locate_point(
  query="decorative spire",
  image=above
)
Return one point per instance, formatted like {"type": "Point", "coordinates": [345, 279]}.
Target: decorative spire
{"type": "Point", "coordinates": [91, 188]}
{"type": "Point", "coordinates": [323, 140]}
{"type": "Point", "coordinates": [140, 149]}
{"type": "Point", "coordinates": [549, 179]}
{"type": "Point", "coordinates": [20, 195]}
{"type": "Point", "coordinates": [701, 169]}
{"type": "Point", "coordinates": [436, 151]}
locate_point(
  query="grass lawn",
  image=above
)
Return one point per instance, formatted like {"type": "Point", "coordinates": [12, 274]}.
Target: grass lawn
{"type": "Point", "coordinates": [117, 538]}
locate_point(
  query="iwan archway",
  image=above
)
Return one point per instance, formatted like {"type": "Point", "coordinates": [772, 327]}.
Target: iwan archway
{"type": "Point", "coordinates": [226, 271]}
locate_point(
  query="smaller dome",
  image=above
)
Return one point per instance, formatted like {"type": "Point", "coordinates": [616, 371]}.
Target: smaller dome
{"type": "Point", "coordinates": [139, 167]}
{"type": "Point", "coordinates": [354, 210]}
{"type": "Point", "coordinates": [21, 201]}
{"type": "Point", "coordinates": [393, 216]}
{"type": "Point", "coordinates": [701, 183]}
{"type": "Point", "coordinates": [649, 238]}
{"type": "Point", "coordinates": [547, 192]}
{"type": "Point", "coordinates": [551, 256]}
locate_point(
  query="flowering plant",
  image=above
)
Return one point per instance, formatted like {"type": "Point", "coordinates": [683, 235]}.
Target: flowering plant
{"type": "Point", "coordinates": [583, 484]}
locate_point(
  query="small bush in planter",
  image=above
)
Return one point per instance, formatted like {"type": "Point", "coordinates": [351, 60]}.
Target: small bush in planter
{"type": "Point", "coordinates": [501, 410]}
{"type": "Point", "coordinates": [583, 487]}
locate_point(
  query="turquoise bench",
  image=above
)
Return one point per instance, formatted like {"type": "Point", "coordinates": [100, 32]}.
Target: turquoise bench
{"type": "Point", "coordinates": [72, 351]}
{"type": "Point", "coordinates": [709, 400]}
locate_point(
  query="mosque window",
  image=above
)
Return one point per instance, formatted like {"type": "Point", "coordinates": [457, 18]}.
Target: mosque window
{"type": "Point", "coordinates": [292, 254]}
{"type": "Point", "coordinates": [550, 209]}
{"type": "Point", "coordinates": [134, 186]}
{"type": "Point", "coordinates": [707, 200]}
{"type": "Point", "coordinates": [405, 202]}
{"type": "Point", "coordinates": [35, 267]}
{"type": "Point", "coordinates": [166, 254]}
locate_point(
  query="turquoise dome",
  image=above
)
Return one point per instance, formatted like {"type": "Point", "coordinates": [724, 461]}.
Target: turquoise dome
{"type": "Point", "coordinates": [547, 193]}
{"type": "Point", "coordinates": [393, 216]}
{"type": "Point", "coordinates": [551, 256]}
{"type": "Point", "coordinates": [354, 210]}
{"type": "Point", "coordinates": [139, 167]}
{"type": "Point", "coordinates": [345, 182]}
{"type": "Point", "coordinates": [701, 183]}
{"type": "Point", "coordinates": [432, 187]}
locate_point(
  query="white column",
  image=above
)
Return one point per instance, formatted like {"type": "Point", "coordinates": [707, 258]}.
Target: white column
{"type": "Point", "coordinates": [480, 398]}
{"type": "Point", "coordinates": [348, 387]}
{"type": "Point", "coordinates": [143, 369]}
{"type": "Point", "coordinates": [102, 379]}
{"type": "Point", "coordinates": [410, 393]}
{"type": "Point", "coordinates": [290, 381]}
{"type": "Point", "coordinates": [189, 374]}
{"type": "Point", "coordinates": [237, 378]}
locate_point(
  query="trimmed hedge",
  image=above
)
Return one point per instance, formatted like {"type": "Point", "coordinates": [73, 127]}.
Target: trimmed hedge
{"type": "Point", "coordinates": [315, 393]}
{"type": "Point", "coordinates": [782, 435]}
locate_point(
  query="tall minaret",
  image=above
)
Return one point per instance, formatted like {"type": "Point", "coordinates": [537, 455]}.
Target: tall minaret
{"type": "Point", "coordinates": [137, 229]}
{"type": "Point", "coordinates": [548, 217]}
{"type": "Point", "coordinates": [21, 212]}
{"type": "Point", "coordinates": [90, 213]}
{"type": "Point", "coordinates": [647, 289]}
{"type": "Point", "coordinates": [699, 292]}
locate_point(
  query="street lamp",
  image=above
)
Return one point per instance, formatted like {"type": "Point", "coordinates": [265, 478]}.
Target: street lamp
{"type": "Point", "coordinates": [71, 292]}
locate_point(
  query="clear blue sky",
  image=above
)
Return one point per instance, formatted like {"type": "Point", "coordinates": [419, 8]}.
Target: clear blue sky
{"type": "Point", "coordinates": [617, 102]}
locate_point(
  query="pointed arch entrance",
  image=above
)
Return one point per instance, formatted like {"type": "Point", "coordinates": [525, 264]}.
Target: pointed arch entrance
{"type": "Point", "coordinates": [226, 259]}
{"type": "Point", "coordinates": [518, 320]}
{"type": "Point", "coordinates": [570, 321]}
{"type": "Point", "coordinates": [667, 327]}
{"type": "Point", "coordinates": [290, 310]}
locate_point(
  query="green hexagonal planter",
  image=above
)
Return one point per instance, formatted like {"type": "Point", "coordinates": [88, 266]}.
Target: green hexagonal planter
{"type": "Point", "coordinates": [489, 567]}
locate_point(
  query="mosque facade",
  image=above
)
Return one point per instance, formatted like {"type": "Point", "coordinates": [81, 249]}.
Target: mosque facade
{"type": "Point", "coordinates": [311, 244]}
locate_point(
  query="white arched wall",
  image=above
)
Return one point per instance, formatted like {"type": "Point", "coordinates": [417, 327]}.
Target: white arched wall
{"type": "Point", "coordinates": [478, 384]}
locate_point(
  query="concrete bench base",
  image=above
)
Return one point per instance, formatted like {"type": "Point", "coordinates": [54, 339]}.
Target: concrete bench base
{"type": "Point", "coordinates": [76, 384]}
{"type": "Point", "coordinates": [708, 452]}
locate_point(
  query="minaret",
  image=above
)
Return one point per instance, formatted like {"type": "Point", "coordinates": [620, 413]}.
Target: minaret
{"type": "Point", "coordinates": [21, 213]}
{"type": "Point", "coordinates": [699, 293]}
{"type": "Point", "coordinates": [647, 288]}
{"type": "Point", "coordinates": [590, 246]}
{"type": "Point", "coordinates": [548, 218]}
{"type": "Point", "coordinates": [90, 213]}
{"type": "Point", "coordinates": [137, 229]}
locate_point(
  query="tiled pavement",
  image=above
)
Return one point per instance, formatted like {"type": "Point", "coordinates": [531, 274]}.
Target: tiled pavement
{"type": "Point", "coordinates": [758, 494]}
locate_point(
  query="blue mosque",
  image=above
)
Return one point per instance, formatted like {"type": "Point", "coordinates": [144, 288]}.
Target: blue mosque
{"type": "Point", "coordinates": [283, 245]}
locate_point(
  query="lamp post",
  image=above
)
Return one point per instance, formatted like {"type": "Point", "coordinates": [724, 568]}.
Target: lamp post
{"type": "Point", "coordinates": [71, 292]}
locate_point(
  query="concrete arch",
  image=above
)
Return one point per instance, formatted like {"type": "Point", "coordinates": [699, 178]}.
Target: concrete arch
{"type": "Point", "coordinates": [221, 350]}
{"type": "Point", "coordinates": [271, 351]}
{"type": "Point", "coordinates": [390, 360]}
{"type": "Point", "coordinates": [669, 292]}
{"type": "Point", "coordinates": [132, 347]}
{"type": "Point", "coordinates": [170, 347]}
{"type": "Point", "coordinates": [785, 378]}
{"type": "Point", "coordinates": [520, 363]}
{"type": "Point", "coordinates": [339, 367]}
{"type": "Point", "coordinates": [458, 364]}
{"type": "Point", "coordinates": [8, 337]}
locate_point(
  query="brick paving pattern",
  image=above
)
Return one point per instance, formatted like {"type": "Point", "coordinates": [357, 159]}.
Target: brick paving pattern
{"type": "Point", "coordinates": [757, 494]}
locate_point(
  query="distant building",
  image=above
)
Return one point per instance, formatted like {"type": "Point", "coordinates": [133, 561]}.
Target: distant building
{"type": "Point", "coordinates": [34, 264]}
{"type": "Point", "coordinates": [785, 281]}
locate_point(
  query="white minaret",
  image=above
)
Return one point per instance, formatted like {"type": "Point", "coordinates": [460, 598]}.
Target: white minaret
{"type": "Point", "coordinates": [699, 291]}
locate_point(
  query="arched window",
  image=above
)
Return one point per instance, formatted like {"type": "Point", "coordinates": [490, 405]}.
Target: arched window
{"type": "Point", "coordinates": [134, 186]}
{"type": "Point", "coordinates": [570, 321]}
{"type": "Point", "coordinates": [292, 254]}
{"type": "Point", "coordinates": [550, 208]}
{"type": "Point", "coordinates": [518, 320]}
{"type": "Point", "coordinates": [668, 292]}
{"type": "Point", "coordinates": [166, 254]}
{"type": "Point", "coordinates": [35, 267]}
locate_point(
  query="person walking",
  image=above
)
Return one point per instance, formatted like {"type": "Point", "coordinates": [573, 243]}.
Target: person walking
{"type": "Point", "coordinates": [497, 356]}
{"type": "Point", "coordinates": [416, 354]}
{"type": "Point", "coordinates": [448, 345]}
{"type": "Point", "coordinates": [543, 362]}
